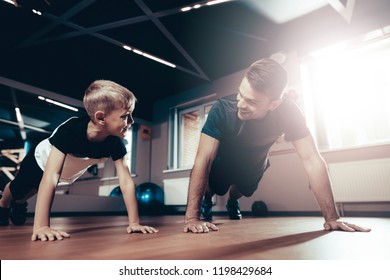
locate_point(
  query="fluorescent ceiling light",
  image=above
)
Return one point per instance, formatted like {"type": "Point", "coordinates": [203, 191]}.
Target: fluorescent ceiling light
{"type": "Point", "coordinates": [61, 105]}
{"type": "Point", "coordinates": [16, 5]}
{"type": "Point", "coordinates": [127, 48]}
{"type": "Point", "coordinates": [51, 101]}
{"type": "Point", "coordinates": [215, 2]}
{"type": "Point", "coordinates": [10, 2]}
{"type": "Point", "coordinates": [18, 115]}
{"type": "Point", "coordinates": [137, 51]}
{"type": "Point", "coordinates": [199, 5]}
{"type": "Point", "coordinates": [152, 57]}
{"type": "Point", "coordinates": [36, 12]}
{"type": "Point", "coordinates": [159, 60]}
{"type": "Point", "coordinates": [20, 123]}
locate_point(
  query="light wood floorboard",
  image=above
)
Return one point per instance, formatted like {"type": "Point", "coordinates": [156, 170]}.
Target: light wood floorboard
{"type": "Point", "coordinates": [271, 238]}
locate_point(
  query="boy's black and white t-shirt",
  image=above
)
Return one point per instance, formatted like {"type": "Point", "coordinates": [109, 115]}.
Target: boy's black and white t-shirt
{"type": "Point", "coordinates": [71, 139]}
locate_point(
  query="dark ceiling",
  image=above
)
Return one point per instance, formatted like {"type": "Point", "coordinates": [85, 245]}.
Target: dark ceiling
{"type": "Point", "coordinates": [76, 42]}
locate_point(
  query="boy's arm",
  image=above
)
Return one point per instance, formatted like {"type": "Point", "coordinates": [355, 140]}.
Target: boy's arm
{"type": "Point", "coordinates": [127, 186]}
{"type": "Point", "coordinates": [320, 184]}
{"type": "Point", "coordinates": [49, 181]}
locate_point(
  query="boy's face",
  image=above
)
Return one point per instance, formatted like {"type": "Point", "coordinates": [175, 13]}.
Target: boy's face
{"type": "Point", "coordinates": [119, 121]}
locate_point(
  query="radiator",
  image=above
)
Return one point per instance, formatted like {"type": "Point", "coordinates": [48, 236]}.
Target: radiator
{"type": "Point", "coordinates": [361, 181]}
{"type": "Point", "coordinates": [176, 191]}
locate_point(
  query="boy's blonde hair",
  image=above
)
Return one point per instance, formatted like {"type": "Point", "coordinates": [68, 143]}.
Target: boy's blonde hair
{"type": "Point", "coordinates": [107, 96]}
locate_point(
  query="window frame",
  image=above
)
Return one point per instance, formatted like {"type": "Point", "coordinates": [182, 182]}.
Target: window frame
{"type": "Point", "coordinates": [131, 160]}
{"type": "Point", "coordinates": [175, 133]}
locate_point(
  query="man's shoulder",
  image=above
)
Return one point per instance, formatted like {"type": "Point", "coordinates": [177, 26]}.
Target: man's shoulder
{"type": "Point", "coordinates": [227, 103]}
{"type": "Point", "coordinates": [229, 99]}
{"type": "Point", "coordinates": [289, 107]}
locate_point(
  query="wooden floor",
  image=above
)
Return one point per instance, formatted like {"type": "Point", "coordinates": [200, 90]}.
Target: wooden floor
{"type": "Point", "coordinates": [272, 238]}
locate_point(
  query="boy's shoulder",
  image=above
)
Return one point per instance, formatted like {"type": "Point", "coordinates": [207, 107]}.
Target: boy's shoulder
{"type": "Point", "coordinates": [70, 128]}
{"type": "Point", "coordinates": [75, 123]}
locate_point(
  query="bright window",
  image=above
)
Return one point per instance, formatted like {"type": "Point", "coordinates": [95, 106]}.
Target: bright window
{"type": "Point", "coordinates": [130, 143]}
{"type": "Point", "coordinates": [347, 93]}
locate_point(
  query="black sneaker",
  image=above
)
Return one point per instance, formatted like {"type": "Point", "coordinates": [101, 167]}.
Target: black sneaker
{"type": "Point", "coordinates": [4, 216]}
{"type": "Point", "coordinates": [18, 213]}
{"type": "Point", "coordinates": [206, 212]}
{"type": "Point", "coordinates": [233, 210]}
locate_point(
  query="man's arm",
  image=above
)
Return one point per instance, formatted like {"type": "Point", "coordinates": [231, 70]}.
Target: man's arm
{"type": "Point", "coordinates": [320, 184]}
{"type": "Point", "coordinates": [45, 198]}
{"type": "Point", "coordinates": [127, 186]}
{"type": "Point", "coordinates": [205, 155]}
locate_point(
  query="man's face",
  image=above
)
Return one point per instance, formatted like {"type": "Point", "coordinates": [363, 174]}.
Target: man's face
{"type": "Point", "coordinates": [252, 104]}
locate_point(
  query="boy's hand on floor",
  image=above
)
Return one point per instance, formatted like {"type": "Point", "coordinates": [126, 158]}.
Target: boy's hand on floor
{"type": "Point", "coordinates": [140, 228]}
{"type": "Point", "coordinates": [45, 233]}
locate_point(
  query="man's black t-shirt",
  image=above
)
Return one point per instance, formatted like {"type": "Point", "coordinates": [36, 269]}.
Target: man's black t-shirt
{"type": "Point", "coordinates": [245, 144]}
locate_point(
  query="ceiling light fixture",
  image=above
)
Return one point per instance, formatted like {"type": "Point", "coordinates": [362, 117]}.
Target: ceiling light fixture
{"type": "Point", "coordinates": [18, 115]}
{"type": "Point", "coordinates": [209, 3]}
{"type": "Point", "coordinates": [9, 2]}
{"type": "Point", "coordinates": [215, 2]}
{"type": "Point", "coordinates": [16, 5]}
{"type": "Point", "coordinates": [159, 60]}
{"type": "Point", "coordinates": [137, 51]}
{"type": "Point", "coordinates": [152, 57]}
{"type": "Point", "coordinates": [127, 48]}
{"type": "Point", "coordinates": [51, 101]}
{"type": "Point", "coordinates": [36, 12]}
{"type": "Point", "coordinates": [20, 123]}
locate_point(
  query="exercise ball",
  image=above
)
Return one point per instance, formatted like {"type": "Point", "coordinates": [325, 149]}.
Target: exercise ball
{"type": "Point", "coordinates": [259, 209]}
{"type": "Point", "coordinates": [116, 191]}
{"type": "Point", "coordinates": [150, 198]}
